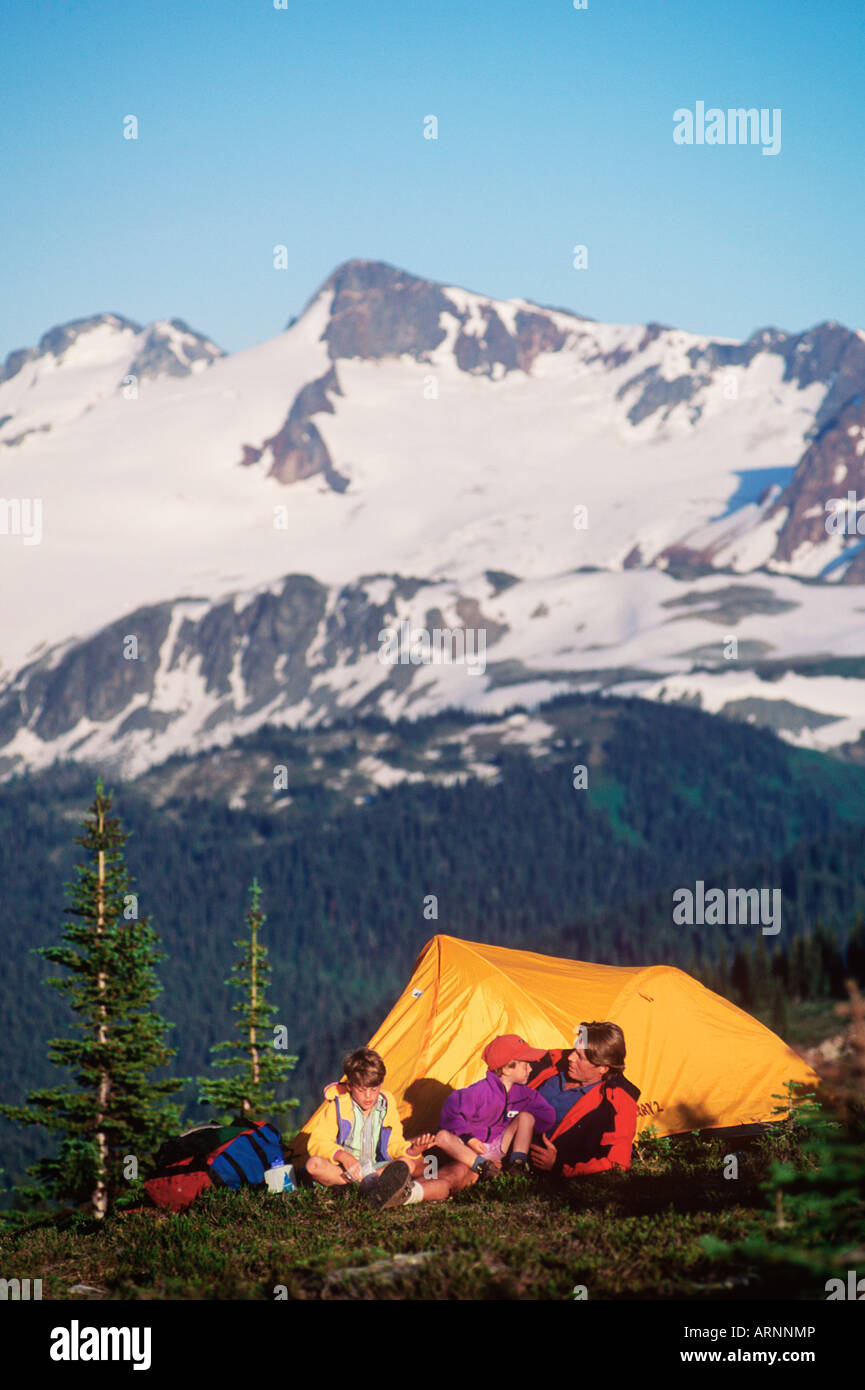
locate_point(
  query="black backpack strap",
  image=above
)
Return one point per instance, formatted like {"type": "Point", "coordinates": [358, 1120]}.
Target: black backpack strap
{"type": "Point", "coordinates": [235, 1165]}
{"type": "Point", "coordinates": [258, 1150]}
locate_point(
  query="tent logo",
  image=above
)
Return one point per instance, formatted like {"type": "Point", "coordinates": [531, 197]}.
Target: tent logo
{"type": "Point", "coordinates": [650, 1107]}
{"type": "Point", "coordinates": [738, 907]}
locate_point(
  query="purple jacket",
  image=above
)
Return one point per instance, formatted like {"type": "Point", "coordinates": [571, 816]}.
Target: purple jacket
{"type": "Point", "coordinates": [482, 1110]}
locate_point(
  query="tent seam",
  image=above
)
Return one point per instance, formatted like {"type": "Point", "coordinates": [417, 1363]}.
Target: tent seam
{"type": "Point", "coordinates": [501, 972]}
{"type": "Point", "coordinates": [428, 1031]}
{"type": "Point", "coordinates": [648, 972]}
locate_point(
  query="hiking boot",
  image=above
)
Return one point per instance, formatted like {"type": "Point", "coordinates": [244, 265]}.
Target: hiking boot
{"type": "Point", "coordinates": [392, 1187]}
{"type": "Point", "coordinates": [489, 1169]}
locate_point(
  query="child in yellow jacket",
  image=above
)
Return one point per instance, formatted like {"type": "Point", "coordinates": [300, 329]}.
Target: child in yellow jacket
{"type": "Point", "coordinates": [356, 1138]}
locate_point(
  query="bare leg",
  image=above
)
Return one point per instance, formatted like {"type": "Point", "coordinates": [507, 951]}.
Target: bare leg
{"type": "Point", "coordinates": [455, 1148]}
{"type": "Point", "coordinates": [518, 1135]}
{"type": "Point", "coordinates": [327, 1173]}
{"type": "Point", "coordinates": [452, 1177]}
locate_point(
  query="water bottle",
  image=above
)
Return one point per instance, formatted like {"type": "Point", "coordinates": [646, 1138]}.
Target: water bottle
{"type": "Point", "coordinates": [281, 1178]}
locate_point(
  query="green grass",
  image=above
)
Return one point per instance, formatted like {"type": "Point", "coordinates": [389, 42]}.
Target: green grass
{"type": "Point", "coordinates": [623, 1235]}
{"type": "Point", "coordinates": [644, 1234]}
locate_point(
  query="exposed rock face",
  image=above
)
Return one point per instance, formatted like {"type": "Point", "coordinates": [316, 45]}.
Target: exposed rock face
{"type": "Point", "coordinates": [729, 605]}
{"type": "Point", "coordinates": [58, 339]}
{"type": "Point", "coordinates": [535, 333]}
{"type": "Point", "coordinates": [658, 393]}
{"type": "Point", "coordinates": [173, 349]}
{"type": "Point", "coordinates": [381, 312]}
{"type": "Point", "coordinates": [13, 439]}
{"type": "Point", "coordinates": [270, 651]}
{"type": "Point", "coordinates": [297, 450]}
{"type": "Point", "coordinates": [832, 466]}
{"type": "Point", "coordinates": [15, 361]}
{"type": "Point", "coordinates": [378, 311]}
{"type": "Point", "coordinates": [619, 355]}
{"type": "Point", "coordinates": [828, 353]}
{"type": "Point", "coordinates": [92, 681]}
{"type": "Point", "coordinates": [170, 347]}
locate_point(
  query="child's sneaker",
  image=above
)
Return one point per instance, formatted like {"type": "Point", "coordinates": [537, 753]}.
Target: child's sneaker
{"type": "Point", "coordinates": [392, 1187]}
{"type": "Point", "coordinates": [488, 1169]}
{"type": "Point", "coordinates": [521, 1166]}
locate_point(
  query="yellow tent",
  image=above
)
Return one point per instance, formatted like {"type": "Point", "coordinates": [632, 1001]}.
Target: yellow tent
{"type": "Point", "coordinates": [698, 1060]}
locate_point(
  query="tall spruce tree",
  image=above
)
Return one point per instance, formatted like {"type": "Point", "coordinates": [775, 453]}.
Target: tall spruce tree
{"type": "Point", "coordinates": [255, 1057]}
{"type": "Point", "coordinates": [113, 1109]}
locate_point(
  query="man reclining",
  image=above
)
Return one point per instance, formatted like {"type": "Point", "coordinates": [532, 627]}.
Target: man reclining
{"type": "Point", "coordinates": [595, 1104]}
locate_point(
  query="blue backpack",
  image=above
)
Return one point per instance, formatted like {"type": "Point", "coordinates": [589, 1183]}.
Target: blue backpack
{"type": "Point", "coordinates": [244, 1159]}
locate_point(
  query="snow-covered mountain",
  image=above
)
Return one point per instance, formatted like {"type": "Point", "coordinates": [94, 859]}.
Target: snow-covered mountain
{"type": "Point", "coordinates": [607, 503]}
{"type": "Point", "coordinates": [81, 364]}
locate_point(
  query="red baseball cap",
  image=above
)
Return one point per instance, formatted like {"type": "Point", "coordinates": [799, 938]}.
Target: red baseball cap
{"type": "Point", "coordinates": [510, 1048]}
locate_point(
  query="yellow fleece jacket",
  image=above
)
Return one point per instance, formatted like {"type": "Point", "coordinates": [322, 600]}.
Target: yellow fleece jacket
{"type": "Point", "coordinates": [330, 1127]}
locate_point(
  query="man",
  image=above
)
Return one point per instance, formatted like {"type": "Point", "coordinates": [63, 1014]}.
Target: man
{"type": "Point", "coordinates": [595, 1105]}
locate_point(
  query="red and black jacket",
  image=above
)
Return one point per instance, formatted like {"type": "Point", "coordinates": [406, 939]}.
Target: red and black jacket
{"type": "Point", "coordinates": [597, 1133]}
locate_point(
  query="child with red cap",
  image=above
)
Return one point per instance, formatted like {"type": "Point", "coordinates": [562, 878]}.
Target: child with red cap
{"type": "Point", "coordinates": [495, 1118]}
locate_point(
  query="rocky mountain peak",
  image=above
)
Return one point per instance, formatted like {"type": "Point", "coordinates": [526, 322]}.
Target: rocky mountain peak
{"type": "Point", "coordinates": [59, 339]}
{"type": "Point", "coordinates": [172, 348]}
{"type": "Point", "coordinates": [168, 347]}
{"type": "Point", "coordinates": [378, 310]}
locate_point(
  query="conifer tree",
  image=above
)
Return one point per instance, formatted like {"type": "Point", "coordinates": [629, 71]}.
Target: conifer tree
{"type": "Point", "coordinates": [855, 950]}
{"type": "Point", "coordinates": [832, 960]}
{"type": "Point", "coordinates": [778, 1011]}
{"type": "Point", "coordinates": [113, 1109]}
{"type": "Point", "coordinates": [818, 1228]}
{"type": "Point", "coordinates": [742, 976]}
{"type": "Point", "coordinates": [255, 1056]}
{"type": "Point", "coordinates": [814, 982]}
{"type": "Point", "coordinates": [761, 992]}
{"type": "Point", "coordinates": [798, 968]}
{"type": "Point", "coordinates": [723, 975]}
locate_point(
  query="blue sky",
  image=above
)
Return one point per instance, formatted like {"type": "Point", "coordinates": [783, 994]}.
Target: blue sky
{"type": "Point", "coordinates": [304, 127]}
